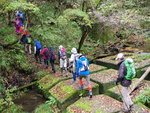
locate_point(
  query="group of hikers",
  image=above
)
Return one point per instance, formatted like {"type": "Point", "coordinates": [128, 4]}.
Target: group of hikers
{"type": "Point", "coordinates": [78, 63]}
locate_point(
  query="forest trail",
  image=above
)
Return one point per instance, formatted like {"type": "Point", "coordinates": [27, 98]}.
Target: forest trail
{"type": "Point", "coordinates": [41, 67]}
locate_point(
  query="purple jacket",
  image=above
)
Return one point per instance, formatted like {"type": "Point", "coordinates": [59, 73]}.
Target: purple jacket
{"type": "Point", "coordinates": [122, 73]}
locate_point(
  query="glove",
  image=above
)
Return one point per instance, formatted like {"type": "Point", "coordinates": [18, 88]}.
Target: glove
{"type": "Point", "coordinates": [116, 83]}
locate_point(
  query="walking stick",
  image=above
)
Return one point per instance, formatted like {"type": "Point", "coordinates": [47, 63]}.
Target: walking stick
{"type": "Point", "coordinates": [123, 98]}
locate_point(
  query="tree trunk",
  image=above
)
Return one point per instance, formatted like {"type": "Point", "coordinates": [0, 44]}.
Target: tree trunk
{"type": "Point", "coordinates": [28, 16]}
{"type": "Point", "coordinates": [9, 18]}
{"type": "Point", "coordinates": [83, 5]}
{"type": "Point", "coordinates": [25, 86]}
{"type": "Point", "coordinates": [84, 34]}
{"type": "Point", "coordinates": [142, 77]}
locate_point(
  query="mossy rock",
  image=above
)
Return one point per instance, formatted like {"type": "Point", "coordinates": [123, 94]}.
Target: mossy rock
{"type": "Point", "coordinates": [95, 68]}
{"type": "Point", "coordinates": [114, 92]}
{"type": "Point", "coordinates": [139, 108]}
{"type": "Point", "coordinates": [67, 92]}
{"type": "Point", "coordinates": [98, 104]}
{"type": "Point", "coordinates": [105, 79]}
{"type": "Point", "coordinates": [46, 83]}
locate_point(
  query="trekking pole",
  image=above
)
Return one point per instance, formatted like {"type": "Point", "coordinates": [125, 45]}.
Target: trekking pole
{"type": "Point", "coordinates": [123, 98]}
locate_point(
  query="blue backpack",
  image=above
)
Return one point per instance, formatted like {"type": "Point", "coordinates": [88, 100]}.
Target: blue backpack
{"type": "Point", "coordinates": [38, 45]}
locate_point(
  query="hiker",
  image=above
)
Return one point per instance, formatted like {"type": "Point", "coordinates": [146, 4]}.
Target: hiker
{"type": "Point", "coordinates": [37, 50]}
{"type": "Point", "coordinates": [63, 60]}
{"type": "Point", "coordinates": [21, 17]}
{"type": "Point", "coordinates": [45, 55]}
{"type": "Point", "coordinates": [128, 104]}
{"type": "Point", "coordinates": [52, 58]}
{"type": "Point", "coordinates": [17, 25]}
{"type": "Point", "coordinates": [23, 30]}
{"type": "Point", "coordinates": [28, 43]}
{"type": "Point", "coordinates": [72, 61]}
{"type": "Point", "coordinates": [82, 70]}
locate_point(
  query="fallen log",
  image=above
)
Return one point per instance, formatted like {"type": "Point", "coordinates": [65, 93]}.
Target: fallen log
{"type": "Point", "coordinates": [138, 82]}
{"type": "Point", "coordinates": [25, 86]}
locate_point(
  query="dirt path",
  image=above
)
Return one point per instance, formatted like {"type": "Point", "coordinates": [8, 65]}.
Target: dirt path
{"type": "Point", "coordinates": [41, 67]}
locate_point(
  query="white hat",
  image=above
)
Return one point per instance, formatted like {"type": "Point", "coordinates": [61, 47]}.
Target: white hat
{"type": "Point", "coordinates": [60, 47]}
{"type": "Point", "coordinates": [74, 50]}
{"type": "Point", "coordinates": [120, 56]}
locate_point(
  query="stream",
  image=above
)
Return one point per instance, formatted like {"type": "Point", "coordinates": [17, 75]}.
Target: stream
{"type": "Point", "coordinates": [30, 101]}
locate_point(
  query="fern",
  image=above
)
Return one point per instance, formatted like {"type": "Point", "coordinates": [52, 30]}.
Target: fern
{"type": "Point", "coordinates": [144, 96]}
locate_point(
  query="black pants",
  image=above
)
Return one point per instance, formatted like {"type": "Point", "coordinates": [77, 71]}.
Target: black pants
{"type": "Point", "coordinates": [37, 55]}
{"type": "Point", "coordinates": [52, 64]}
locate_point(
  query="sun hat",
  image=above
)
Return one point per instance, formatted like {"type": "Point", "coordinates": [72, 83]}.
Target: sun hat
{"type": "Point", "coordinates": [120, 56]}
{"type": "Point", "coordinates": [60, 47]}
{"type": "Point", "coordinates": [74, 50]}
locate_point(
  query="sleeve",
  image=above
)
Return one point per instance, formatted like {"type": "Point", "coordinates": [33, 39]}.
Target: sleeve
{"type": "Point", "coordinates": [71, 59]}
{"type": "Point", "coordinates": [122, 70]}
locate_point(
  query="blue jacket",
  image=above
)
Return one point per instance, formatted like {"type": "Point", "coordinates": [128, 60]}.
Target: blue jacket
{"type": "Point", "coordinates": [79, 65]}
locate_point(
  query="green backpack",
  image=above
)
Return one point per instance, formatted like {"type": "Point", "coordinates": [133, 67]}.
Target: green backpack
{"type": "Point", "coordinates": [29, 40]}
{"type": "Point", "coordinates": [131, 73]}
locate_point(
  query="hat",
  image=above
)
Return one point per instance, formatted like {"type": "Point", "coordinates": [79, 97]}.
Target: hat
{"type": "Point", "coordinates": [50, 48]}
{"type": "Point", "coordinates": [44, 46]}
{"type": "Point", "coordinates": [120, 56]}
{"type": "Point", "coordinates": [74, 50]}
{"type": "Point", "coordinates": [60, 47]}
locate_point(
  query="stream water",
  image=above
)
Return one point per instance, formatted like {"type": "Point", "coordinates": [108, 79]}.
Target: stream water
{"type": "Point", "coordinates": [30, 101]}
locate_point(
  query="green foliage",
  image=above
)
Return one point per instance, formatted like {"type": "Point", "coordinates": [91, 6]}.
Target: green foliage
{"type": "Point", "coordinates": [2, 86]}
{"type": "Point", "coordinates": [144, 96]}
{"type": "Point", "coordinates": [6, 31]}
{"type": "Point", "coordinates": [13, 109]}
{"type": "Point", "coordinates": [40, 74]}
{"type": "Point", "coordinates": [50, 106]}
{"type": "Point", "coordinates": [21, 5]}
{"type": "Point", "coordinates": [77, 15]}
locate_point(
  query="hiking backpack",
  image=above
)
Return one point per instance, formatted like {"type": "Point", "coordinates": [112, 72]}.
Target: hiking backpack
{"type": "Point", "coordinates": [23, 39]}
{"type": "Point", "coordinates": [63, 53]}
{"type": "Point", "coordinates": [46, 53]}
{"type": "Point", "coordinates": [28, 39]}
{"type": "Point", "coordinates": [85, 66]}
{"type": "Point", "coordinates": [38, 45]}
{"type": "Point", "coordinates": [54, 56]}
{"type": "Point", "coordinates": [131, 73]}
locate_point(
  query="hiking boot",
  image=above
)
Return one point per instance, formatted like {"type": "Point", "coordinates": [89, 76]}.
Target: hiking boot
{"type": "Point", "coordinates": [90, 93]}
{"type": "Point", "coordinates": [90, 96]}
{"type": "Point", "coordinates": [125, 110]}
{"type": "Point", "coordinates": [46, 67]}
